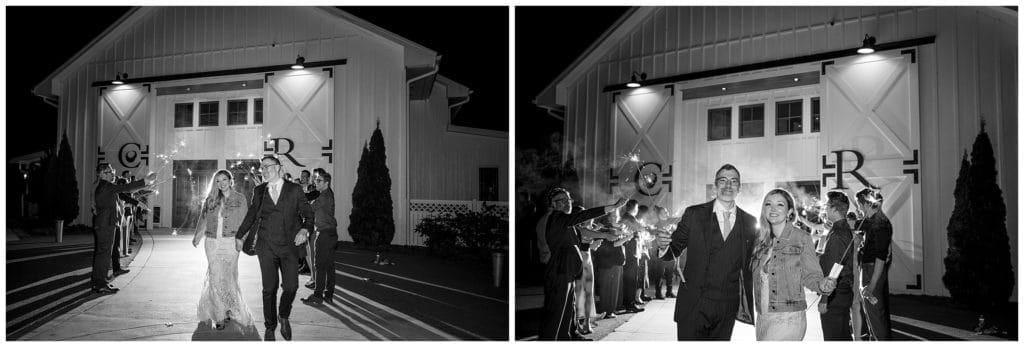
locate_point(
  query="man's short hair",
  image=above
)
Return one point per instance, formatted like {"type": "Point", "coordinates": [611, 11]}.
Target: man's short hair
{"type": "Point", "coordinates": [838, 201]}
{"type": "Point", "coordinates": [102, 167]}
{"type": "Point", "coordinates": [304, 172]}
{"type": "Point", "coordinates": [555, 191]}
{"type": "Point", "coordinates": [325, 176]}
{"type": "Point", "coordinates": [727, 167]}
{"type": "Point", "coordinates": [272, 158]}
{"type": "Point", "coordinates": [869, 196]}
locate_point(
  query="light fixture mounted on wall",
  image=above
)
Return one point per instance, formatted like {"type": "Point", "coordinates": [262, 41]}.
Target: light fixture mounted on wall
{"type": "Point", "coordinates": [120, 78]}
{"type": "Point", "coordinates": [869, 45]}
{"type": "Point", "coordinates": [299, 63]}
{"type": "Point", "coordinates": [636, 78]}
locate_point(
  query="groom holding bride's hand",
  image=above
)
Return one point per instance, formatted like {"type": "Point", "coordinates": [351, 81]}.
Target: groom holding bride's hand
{"type": "Point", "coordinates": [285, 219]}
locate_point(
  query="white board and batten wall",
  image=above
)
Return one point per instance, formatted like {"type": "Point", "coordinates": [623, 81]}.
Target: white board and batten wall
{"type": "Point", "coordinates": [968, 72]}
{"type": "Point", "coordinates": [161, 41]}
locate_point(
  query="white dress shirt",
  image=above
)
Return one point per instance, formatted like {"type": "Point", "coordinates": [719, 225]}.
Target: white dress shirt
{"type": "Point", "coordinates": [719, 210]}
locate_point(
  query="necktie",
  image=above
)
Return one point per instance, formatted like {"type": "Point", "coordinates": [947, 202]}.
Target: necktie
{"type": "Point", "coordinates": [728, 225]}
{"type": "Point", "coordinates": [275, 191]}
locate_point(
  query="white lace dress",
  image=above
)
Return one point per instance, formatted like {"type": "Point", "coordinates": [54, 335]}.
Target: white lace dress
{"type": "Point", "coordinates": [221, 294]}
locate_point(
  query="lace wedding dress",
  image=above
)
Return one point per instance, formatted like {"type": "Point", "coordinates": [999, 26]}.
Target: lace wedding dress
{"type": "Point", "coordinates": [222, 297]}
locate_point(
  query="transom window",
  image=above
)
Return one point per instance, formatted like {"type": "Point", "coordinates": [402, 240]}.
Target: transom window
{"type": "Point", "coordinates": [789, 117]}
{"type": "Point", "coordinates": [752, 121]}
{"type": "Point", "coordinates": [719, 124]}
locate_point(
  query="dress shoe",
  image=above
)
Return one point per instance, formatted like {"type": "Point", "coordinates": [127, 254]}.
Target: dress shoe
{"type": "Point", "coordinates": [104, 290]}
{"type": "Point", "coordinates": [634, 309]}
{"type": "Point", "coordinates": [121, 272]}
{"type": "Point", "coordinates": [609, 315]}
{"type": "Point", "coordinates": [268, 335]}
{"type": "Point", "coordinates": [311, 284]}
{"type": "Point", "coordinates": [645, 298]}
{"type": "Point", "coordinates": [286, 329]}
{"type": "Point", "coordinates": [659, 297]}
{"type": "Point", "coordinates": [329, 299]}
{"type": "Point", "coordinates": [312, 300]}
{"type": "Point", "coordinates": [669, 294]}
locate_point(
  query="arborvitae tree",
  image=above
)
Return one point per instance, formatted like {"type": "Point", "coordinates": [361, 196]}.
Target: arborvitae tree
{"type": "Point", "coordinates": [361, 194]}
{"type": "Point", "coordinates": [991, 245]}
{"type": "Point", "coordinates": [960, 275]}
{"type": "Point", "coordinates": [63, 184]}
{"type": "Point", "coordinates": [382, 223]}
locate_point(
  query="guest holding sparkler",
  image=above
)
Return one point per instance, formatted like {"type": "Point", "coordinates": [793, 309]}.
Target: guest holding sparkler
{"type": "Point", "coordinates": [662, 271]}
{"type": "Point", "coordinates": [609, 259]}
{"type": "Point", "coordinates": [646, 218]}
{"type": "Point", "coordinates": [221, 214]}
{"type": "Point", "coordinates": [719, 236]}
{"type": "Point", "coordinates": [783, 264]}
{"type": "Point", "coordinates": [585, 283]}
{"type": "Point", "coordinates": [632, 278]}
{"type": "Point", "coordinates": [325, 237]}
{"type": "Point", "coordinates": [104, 221]}
{"type": "Point", "coordinates": [837, 262]}
{"type": "Point", "coordinates": [875, 259]}
{"type": "Point", "coordinates": [559, 319]}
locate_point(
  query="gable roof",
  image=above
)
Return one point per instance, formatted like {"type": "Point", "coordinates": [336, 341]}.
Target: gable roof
{"type": "Point", "coordinates": [417, 56]}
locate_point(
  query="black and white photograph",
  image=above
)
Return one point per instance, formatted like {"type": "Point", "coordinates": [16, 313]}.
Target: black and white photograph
{"type": "Point", "coordinates": [282, 173]}
{"type": "Point", "coordinates": [766, 173]}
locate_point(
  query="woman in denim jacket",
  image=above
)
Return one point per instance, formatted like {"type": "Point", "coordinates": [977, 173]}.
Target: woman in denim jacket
{"type": "Point", "coordinates": [221, 214]}
{"type": "Point", "coordinates": [783, 264]}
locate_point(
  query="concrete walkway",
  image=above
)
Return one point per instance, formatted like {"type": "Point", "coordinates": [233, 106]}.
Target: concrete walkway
{"type": "Point", "coordinates": [158, 300]}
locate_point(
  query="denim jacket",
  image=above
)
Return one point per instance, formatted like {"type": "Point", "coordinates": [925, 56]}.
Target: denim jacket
{"type": "Point", "coordinates": [793, 266]}
{"type": "Point", "coordinates": [235, 207]}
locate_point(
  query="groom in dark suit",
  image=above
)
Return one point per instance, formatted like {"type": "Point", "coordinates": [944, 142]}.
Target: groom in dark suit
{"type": "Point", "coordinates": [285, 219]}
{"type": "Point", "coordinates": [719, 238]}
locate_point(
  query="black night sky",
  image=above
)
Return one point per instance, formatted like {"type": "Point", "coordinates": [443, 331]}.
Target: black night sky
{"type": "Point", "coordinates": [548, 39]}
{"type": "Point", "coordinates": [472, 40]}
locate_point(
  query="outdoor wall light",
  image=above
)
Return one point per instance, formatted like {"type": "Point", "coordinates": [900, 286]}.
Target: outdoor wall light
{"type": "Point", "coordinates": [119, 78]}
{"type": "Point", "coordinates": [869, 45]}
{"type": "Point", "coordinates": [636, 78]}
{"type": "Point", "coordinates": [298, 63]}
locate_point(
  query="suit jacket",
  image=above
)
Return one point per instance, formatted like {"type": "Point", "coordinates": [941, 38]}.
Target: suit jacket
{"type": "Point", "coordinates": [564, 241]}
{"type": "Point", "coordinates": [280, 222]}
{"type": "Point", "coordinates": [699, 233]}
{"type": "Point", "coordinates": [105, 200]}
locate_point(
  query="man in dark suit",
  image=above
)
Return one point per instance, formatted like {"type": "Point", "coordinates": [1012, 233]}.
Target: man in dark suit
{"type": "Point", "coordinates": [285, 219]}
{"type": "Point", "coordinates": [718, 237]}
{"type": "Point", "coordinates": [104, 221]}
{"type": "Point", "coordinates": [326, 228]}
{"type": "Point", "coordinates": [835, 307]}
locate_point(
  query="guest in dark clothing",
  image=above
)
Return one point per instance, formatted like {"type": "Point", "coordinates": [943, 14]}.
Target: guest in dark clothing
{"type": "Point", "coordinates": [559, 318]}
{"type": "Point", "coordinates": [874, 259]}
{"type": "Point", "coordinates": [719, 237]}
{"type": "Point", "coordinates": [632, 278]}
{"type": "Point", "coordinates": [325, 237]}
{"type": "Point", "coordinates": [835, 308]}
{"type": "Point", "coordinates": [609, 259]}
{"type": "Point", "coordinates": [104, 221]}
{"type": "Point", "coordinates": [662, 271]}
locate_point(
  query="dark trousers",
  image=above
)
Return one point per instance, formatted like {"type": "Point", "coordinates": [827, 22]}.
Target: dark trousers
{"type": "Point", "coordinates": [609, 284]}
{"type": "Point", "coordinates": [631, 282]}
{"type": "Point", "coordinates": [662, 271]}
{"type": "Point", "coordinates": [877, 315]}
{"type": "Point", "coordinates": [102, 256]}
{"type": "Point", "coordinates": [559, 319]}
{"type": "Point", "coordinates": [274, 259]}
{"type": "Point", "coordinates": [711, 320]}
{"type": "Point", "coordinates": [835, 322]}
{"type": "Point", "coordinates": [323, 259]}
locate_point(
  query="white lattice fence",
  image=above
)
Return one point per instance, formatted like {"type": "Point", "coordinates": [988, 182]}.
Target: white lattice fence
{"type": "Point", "coordinates": [420, 209]}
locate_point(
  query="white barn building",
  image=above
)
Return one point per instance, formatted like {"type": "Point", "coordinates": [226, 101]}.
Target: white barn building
{"type": "Point", "coordinates": [212, 88]}
{"type": "Point", "coordinates": [781, 93]}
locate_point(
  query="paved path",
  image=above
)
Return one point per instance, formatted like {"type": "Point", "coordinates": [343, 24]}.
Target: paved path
{"type": "Point", "coordinates": [158, 299]}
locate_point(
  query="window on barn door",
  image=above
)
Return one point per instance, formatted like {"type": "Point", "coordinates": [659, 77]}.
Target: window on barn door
{"type": "Point", "coordinates": [815, 115]}
{"type": "Point", "coordinates": [789, 117]}
{"type": "Point", "coordinates": [238, 113]}
{"type": "Point", "coordinates": [209, 114]}
{"type": "Point", "coordinates": [489, 184]}
{"type": "Point", "coordinates": [752, 121]}
{"type": "Point", "coordinates": [183, 115]}
{"type": "Point", "coordinates": [719, 124]}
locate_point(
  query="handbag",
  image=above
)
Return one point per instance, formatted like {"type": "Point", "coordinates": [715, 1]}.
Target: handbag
{"type": "Point", "coordinates": [249, 241]}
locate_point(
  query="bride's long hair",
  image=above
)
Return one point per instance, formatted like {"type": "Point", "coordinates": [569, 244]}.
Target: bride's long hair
{"type": "Point", "coordinates": [216, 197]}
{"type": "Point", "coordinates": [764, 233]}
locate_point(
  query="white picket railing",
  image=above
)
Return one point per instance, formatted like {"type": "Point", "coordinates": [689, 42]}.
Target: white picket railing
{"type": "Point", "coordinates": [420, 209]}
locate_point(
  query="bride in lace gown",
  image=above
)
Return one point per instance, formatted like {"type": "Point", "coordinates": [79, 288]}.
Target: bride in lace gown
{"type": "Point", "coordinates": [222, 212]}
